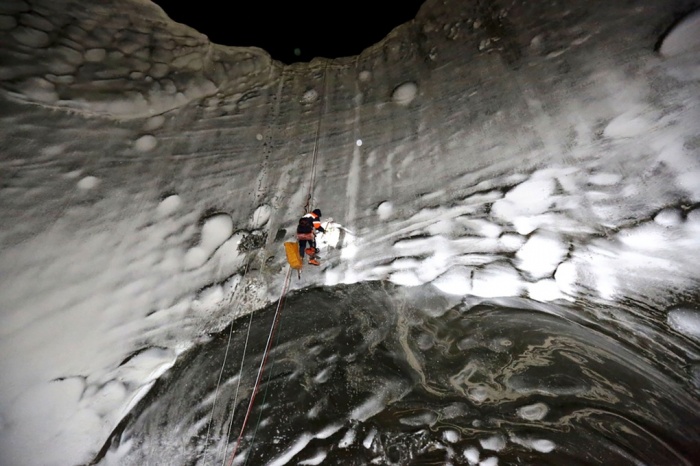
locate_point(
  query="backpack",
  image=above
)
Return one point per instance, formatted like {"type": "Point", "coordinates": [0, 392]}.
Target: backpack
{"type": "Point", "coordinates": [306, 225]}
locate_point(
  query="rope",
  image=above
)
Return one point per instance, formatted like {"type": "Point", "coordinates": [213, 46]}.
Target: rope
{"type": "Point", "coordinates": [223, 366]}
{"type": "Point", "coordinates": [238, 386]}
{"type": "Point", "coordinates": [267, 388]}
{"type": "Point", "coordinates": [278, 311]}
{"type": "Point", "coordinates": [228, 344]}
{"type": "Point", "coordinates": [256, 387]}
{"type": "Point", "coordinates": [307, 206]}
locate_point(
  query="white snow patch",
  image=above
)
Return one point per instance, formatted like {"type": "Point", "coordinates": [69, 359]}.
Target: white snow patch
{"type": "Point", "coordinates": [368, 409]}
{"type": "Point", "coordinates": [493, 443]}
{"type": "Point", "coordinates": [490, 282]}
{"type": "Point", "coordinates": [58, 403]}
{"type": "Point", "coordinates": [405, 93]}
{"type": "Point", "coordinates": [511, 242]}
{"type": "Point", "coordinates": [309, 96]}
{"type": "Point", "coordinates": [479, 393]}
{"type": "Point", "coordinates": [323, 376]}
{"type": "Point", "coordinates": [261, 216]}
{"type": "Point", "coordinates": [605, 179]}
{"type": "Point", "coordinates": [328, 431]}
{"type": "Point", "coordinates": [88, 182]}
{"type": "Point", "coordinates": [541, 445]}
{"type": "Point", "coordinates": [316, 459]}
{"type": "Point", "coordinates": [541, 254]}
{"type": "Point", "coordinates": [451, 436]}
{"type": "Point", "coordinates": [385, 210]}
{"type": "Point", "coordinates": [566, 277]}
{"type": "Point", "coordinates": [146, 143]}
{"type": "Point", "coordinates": [683, 38]}
{"type": "Point", "coordinates": [405, 278]}
{"type": "Point", "coordinates": [169, 205]}
{"type": "Point", "coordinates": [208, 298]}
{"type": "Point", "coordinates": [496, 280]}
{"type": "Point", "coordinates": [154, 123]}
{"type": "Point", "coordinates": [215, 231]}
{"type": "Point", "coordinates": [491, 461]}
{"type": "Point", "coordinates": [348, 439]}
{"type": "Point", "coordinates": [298, 445]}
{"type": "Point", "coordinates": [545, 291]}
{"type": "Point", "coordinates": [73, 174]}
{"type": "Point", "coordinates": [367, 442]}
{"type": "Point", "coordinates": [533, 412]}
{"type": "Point", "coordinates": [688, 180]}
{"type": "Point", "coordinates": [685, 321]}
{"type": "Point", "coordinates": [627, 125]}
{"type": "Point", "coordinates": [456, 281]}
{"type": "Point", "coordinates": [481, 227]}
{"type": "Point", "coordinates": [669, 218]}
{"type": "Point", "coordinates": [472, 455]}
{"type": "Point", "coordinates": [117, 457]}
{"type": "Point", "coordinates": [530, 197]}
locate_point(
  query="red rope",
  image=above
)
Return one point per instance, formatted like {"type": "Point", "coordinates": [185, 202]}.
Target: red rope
{"type": "Point", "coordinates": [307, 207]}
{"type": "Point", "coordinates": [256, 388]}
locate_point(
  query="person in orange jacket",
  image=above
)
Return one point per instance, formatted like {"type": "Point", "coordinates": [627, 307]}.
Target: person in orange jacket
{"type": "Point", "coordinates": [309, 224]}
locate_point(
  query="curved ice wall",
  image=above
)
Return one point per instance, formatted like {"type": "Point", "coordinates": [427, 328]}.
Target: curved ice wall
{"type": "Point", "coordinates": [488, 149]}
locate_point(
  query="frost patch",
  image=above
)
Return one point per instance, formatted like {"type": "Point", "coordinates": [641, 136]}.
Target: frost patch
{"type": "Point", "coordinates": [627, 125]}
{"type": "Point", "coordinates": [169, 205]}
{"type": "Point", "coordinates": [472, 455]}
{"type": "Point", "coordinates": [683, 38]}
{"type": "Point", "coordinates": [215, 231]}
{"type": "Point", "coordinates": [541, 445]}
{"type": "Point", "coordinates": [533, 412]}
{"type": "Point", "coordinates": [385, 210]}
{"type": "Point", "coordinates": [309, 96]}
{"type": "Point", "coordinates": [145, 143]}
{"type": "Point", "coordinates": [531, 197]}
{"type": "Point", "coordinates": [605, 179]}
{"type": "Point", "coordinates": [495, 443]}
{"type": "Point", "coordinates": [451, 436]}
{"type": "Point", "coordinates": [405, 93]}
{"type": "Point", "coordinates": [88, 182]}
{"type": "Point", "coordinates": [669, 218]}
{"type": "Point", "coordinates": [686, 322]}
{"type": "Point", "coordinates": [260, 216]}
{"type": "Point", "coordinates": [541, 255]}
{"type": "Point", "coordinates": [347, 440]}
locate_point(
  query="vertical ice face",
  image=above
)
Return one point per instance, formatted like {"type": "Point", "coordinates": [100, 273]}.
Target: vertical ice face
{"type": "Point", "coordinates": [508, 150]}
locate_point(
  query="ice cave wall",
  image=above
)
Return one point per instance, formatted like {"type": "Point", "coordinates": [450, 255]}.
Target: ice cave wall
{"type": "Point", "coordinates": [114, 96]}
{"type": "Point", "coordinates": [486, 84]}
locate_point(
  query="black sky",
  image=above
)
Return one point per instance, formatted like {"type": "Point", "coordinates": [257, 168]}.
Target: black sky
{"type": "Point", "coordinates": [314, 28]}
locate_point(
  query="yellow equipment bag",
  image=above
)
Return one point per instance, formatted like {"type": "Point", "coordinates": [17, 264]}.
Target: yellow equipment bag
{"type": "Point", "coordinates": [293, 257]}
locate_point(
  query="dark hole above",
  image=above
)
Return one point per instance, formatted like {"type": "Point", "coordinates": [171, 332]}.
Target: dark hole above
{"type": "Point", "coordinates": [292, 31]}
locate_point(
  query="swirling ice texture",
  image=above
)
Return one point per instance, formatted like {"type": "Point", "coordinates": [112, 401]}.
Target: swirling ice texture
{"type": "Point", "coordinates": [377, 374]}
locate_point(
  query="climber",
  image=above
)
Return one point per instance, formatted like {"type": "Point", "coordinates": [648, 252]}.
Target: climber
{"type": "Point", "coordinates": [309, 224]}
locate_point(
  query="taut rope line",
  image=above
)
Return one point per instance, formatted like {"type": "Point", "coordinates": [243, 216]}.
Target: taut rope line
{"type": "Point", "coordinates": [256, 387]}
{"type": "Point", "coordinates": [307, 206]}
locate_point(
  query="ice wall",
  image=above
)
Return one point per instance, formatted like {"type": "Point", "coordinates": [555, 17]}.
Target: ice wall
{"type": "Point", "coordinates": [148, 178]}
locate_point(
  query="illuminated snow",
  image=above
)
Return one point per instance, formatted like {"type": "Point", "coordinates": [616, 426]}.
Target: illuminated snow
{"type": "Point", "coordinates": [137, 158]}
